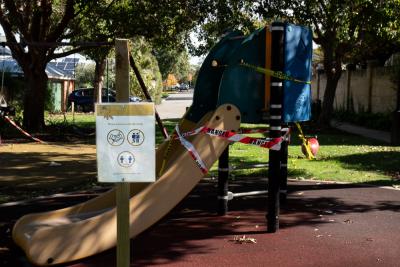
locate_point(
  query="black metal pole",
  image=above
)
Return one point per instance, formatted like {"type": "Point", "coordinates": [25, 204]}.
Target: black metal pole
{"type": "Point", "coordinates": [274, 170]}
{"type": "Point", "coordinates": [284, 169]}
{"type": "Point", "coordinates": [223, 175]}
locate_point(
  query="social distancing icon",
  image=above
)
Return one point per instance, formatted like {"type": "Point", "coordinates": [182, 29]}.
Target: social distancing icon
{"type": "Point", "coordinates": [126, 159]}
{"type": "Point", "coordinates": [135, 137]}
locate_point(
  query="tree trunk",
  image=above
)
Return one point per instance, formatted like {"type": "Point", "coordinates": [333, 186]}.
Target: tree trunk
{"type": "Point", "coordinates": [34, 103]}
{"type": "Point", "coordinates": [99, 79]}
{"type": "Point", "coordinates": [333, 70]}
{"type": "Point", "coordinates": [398, 95]}
{"type": "Point", "coordinates": [332, 79]}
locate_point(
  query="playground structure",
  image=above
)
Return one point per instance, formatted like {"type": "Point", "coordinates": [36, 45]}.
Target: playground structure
{"type": "Point", "coordinates": [241, 80]}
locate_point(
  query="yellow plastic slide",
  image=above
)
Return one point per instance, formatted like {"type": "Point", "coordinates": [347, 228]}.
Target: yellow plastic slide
{"type": "Point", "coordinates": [89, 228]}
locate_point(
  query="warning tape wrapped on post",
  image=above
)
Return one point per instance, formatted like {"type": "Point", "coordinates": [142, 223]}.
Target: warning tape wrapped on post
{"type": "Point", "coordinates": [192, 151]}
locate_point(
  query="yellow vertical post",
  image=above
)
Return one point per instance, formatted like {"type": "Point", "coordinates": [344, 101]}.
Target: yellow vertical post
{"type": "Point", "coordinates": [268, 47]}
{"type": "Point", "coordinates": [122, 188]}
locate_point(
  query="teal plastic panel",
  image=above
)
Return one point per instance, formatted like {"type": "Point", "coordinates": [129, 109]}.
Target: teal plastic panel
{"type": "Point", "coordinates": [243, 86]}
{"type": "Point", "coordinates": [205, 94]}
{"type": "Point", "coordinates": [298, 59]}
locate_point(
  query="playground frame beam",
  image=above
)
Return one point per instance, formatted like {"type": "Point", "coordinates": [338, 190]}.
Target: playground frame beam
{"type": "Point", "coordinates": [276, 107]}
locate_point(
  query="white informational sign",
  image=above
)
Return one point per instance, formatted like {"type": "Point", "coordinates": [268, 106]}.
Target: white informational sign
{"type": "Point", "coordinates": [125, 140]}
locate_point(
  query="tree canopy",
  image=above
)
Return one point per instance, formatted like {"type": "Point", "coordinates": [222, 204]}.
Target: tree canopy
{"type": "Point", "coordinates": [34, 29]}
{"type": "Point", "coordinates": [173, 61]}
{"type": "Point", "coordinates": [341, 28]}
{"type": "Point", "coordinates": [147, 64]}
{"type": "Point", "coordinates": [344, 29]}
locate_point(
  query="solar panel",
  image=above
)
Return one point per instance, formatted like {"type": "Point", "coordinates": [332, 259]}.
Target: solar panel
{"type": "Point", "coordinates": [70, 60]}
{"type": "Point", "coordinates": [70, 66]}
{"type": "Point", "coordinates": [61, 65]}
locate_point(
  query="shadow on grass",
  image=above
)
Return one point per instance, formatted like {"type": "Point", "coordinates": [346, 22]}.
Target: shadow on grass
{"type": "Point", "coordinates": [331, 136]}
{"type": "Point", "coordinates": [380, 161]}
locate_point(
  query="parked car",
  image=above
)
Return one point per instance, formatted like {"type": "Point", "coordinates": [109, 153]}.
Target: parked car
{"type": "Point", "coordinates": [183, 87]}
{"type": "Point", "coordinates": [84, 100]}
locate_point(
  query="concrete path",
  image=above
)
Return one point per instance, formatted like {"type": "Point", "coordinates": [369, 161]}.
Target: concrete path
{"type": "Point", "coordinates": [373, 134]}
{"type": "Point", "coordinates": [175, 105]}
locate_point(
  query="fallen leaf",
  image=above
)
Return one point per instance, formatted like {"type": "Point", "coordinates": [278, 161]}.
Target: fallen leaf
{"type": "Point", "coordinates": [244, 239]}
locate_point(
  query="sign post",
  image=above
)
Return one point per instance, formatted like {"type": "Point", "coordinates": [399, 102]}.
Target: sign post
{"type": "Point", "coordinates": [125, 141]}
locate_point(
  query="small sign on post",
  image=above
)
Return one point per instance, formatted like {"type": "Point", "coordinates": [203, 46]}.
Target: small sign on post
{"type": "Point", "coordinates": [125, 140]}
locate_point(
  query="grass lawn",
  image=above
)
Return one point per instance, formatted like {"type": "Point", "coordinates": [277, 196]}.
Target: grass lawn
{"type": "Point", "coordinates": [84, 120]}
{"type": "Point", "coordinates": [342, 157]}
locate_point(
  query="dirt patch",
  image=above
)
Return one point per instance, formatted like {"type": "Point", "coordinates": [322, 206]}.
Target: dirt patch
{"type": "Point", "coordinates": [31, 169]}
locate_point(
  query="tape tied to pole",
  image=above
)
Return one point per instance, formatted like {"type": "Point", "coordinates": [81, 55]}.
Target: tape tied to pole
{"type": "Point", "coordinates": [273, 73]}
{"type": "Point", "coordinates": [274, 143]}
{"type": "Point", "coordinates": [305, 142]}
{"type": "Point", "coordinates": [270, 143]}
{"type": "Point", "coordinates": [23, 131]}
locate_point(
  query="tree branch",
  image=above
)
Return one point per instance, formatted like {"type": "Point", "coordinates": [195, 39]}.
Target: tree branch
{"type": "Point", "coordinates": [69, 14]}
{"type": "Point", "coordinates": [67, 53]}
{"type": "Point", "coordinates": [16, 49]}
{"type": "Point", "coordinates": [17, 16]}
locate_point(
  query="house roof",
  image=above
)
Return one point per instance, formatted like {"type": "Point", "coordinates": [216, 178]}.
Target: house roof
{"type": "Point", "coordinates": [52, 71]}
{"type": "Point", "coordinates": [4, 51]}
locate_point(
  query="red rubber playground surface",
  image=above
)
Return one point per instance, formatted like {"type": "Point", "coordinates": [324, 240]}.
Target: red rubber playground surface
{"type": "Point", "coordinates": [321, 225]}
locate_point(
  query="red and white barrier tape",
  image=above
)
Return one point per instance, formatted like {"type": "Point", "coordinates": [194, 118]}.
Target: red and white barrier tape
{"type": "Point", "coordinates": [274, 144]}
{"type": "Point", "coordinates": [192, 151]}
{"type": "Point", "coordinates": [22, 130]}
{"type": "Point", "coordinates": [271, 143]}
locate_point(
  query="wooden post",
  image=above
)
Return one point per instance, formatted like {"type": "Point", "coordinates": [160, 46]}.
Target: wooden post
{"type": "Point", "coordinates": [73, 111]}
{"type": "Point", "coordinates": [274, 170]}
{"type": "Point", "coordinates": [223, 174]}
{"type": "Point", "coordinates": [123, 188]}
